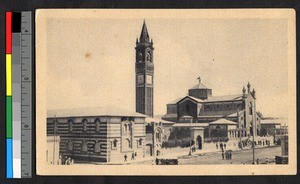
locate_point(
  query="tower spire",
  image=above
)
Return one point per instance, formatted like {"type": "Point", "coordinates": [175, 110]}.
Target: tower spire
{"type": "Point", "coordinates": [144, 34]}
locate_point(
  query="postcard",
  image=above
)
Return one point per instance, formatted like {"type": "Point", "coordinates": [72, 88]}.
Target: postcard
{"type": "Point", "coordinates": [166, 92]}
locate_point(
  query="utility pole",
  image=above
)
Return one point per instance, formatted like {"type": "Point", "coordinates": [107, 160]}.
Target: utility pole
{"type": "Point", "coordinates": [240, 128]}
{"type": "Point", "coordinates": [190, 153]}
{"type": "Point", "coordinates": [253, 132]}
{"type": "Point", "coordinates": [54, 138]}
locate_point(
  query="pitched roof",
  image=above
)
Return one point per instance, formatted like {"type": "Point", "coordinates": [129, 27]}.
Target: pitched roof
{"type": "Point", "coordinates": [93, 111]}
{"type": "Point", "coordinates": [223, 122]}
{"type": "Point", "coordinates": [224, 98]}
{"type": "Point", "coordinates": [192, 98]}
{"type": "Point", "coordinates": [175, 101]}
{"type": "Point", "coordinates": [144, 33]}
{"type": "Point", "coordinates": [200, 86]}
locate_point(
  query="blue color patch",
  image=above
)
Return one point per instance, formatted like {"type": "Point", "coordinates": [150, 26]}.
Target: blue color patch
{"type": "Point", "coordinates": [9, 159]}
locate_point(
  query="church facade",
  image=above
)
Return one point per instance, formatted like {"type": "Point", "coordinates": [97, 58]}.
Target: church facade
{"type": "Point", "coordinates": [235, 114]}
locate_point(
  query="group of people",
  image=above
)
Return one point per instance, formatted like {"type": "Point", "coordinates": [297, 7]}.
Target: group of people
{"type": "Point", "coordinates": [133, 155]}
{"type": "Point", "coordinates": [222, 146]}
{"type": "Point", "coordinates": [65, 160]}
{"type": "Point", "coordinates": [193, 149]}
{"type": "Point", "coordinates": [227, 155]}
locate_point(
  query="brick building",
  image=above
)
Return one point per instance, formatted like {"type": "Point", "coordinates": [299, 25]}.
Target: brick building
{"type": "Point", "coordinates": [98, 134]}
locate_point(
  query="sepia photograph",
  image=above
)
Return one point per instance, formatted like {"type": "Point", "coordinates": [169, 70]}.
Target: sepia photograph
{"type": "Point", "coordinates": [166, 92]}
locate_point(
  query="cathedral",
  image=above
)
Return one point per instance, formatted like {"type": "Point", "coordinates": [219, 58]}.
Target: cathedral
{"type": "Point", "coordinates": [228, 116]}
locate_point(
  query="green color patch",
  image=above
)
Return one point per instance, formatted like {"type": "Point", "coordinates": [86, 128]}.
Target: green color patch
{"type": "Point", "coordinates": [8, 117]}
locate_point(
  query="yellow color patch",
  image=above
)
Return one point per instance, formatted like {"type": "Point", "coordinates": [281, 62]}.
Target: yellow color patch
{"type": "Point", "coordinates": [8, 75]}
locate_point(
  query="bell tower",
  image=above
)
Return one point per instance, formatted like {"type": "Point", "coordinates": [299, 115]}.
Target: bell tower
{"type": "Point", "coordinates": [144, 71]}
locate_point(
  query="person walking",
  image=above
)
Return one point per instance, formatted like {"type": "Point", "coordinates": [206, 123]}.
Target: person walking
{"type": "Point", "coordinates": [217, 145]}
{"type": "Point", "coordinates": [223, 155]}
{"type": "Point", "coordinates": [225, 146]}
{"type": "Point", "coordinates": [221, 146]}
{"type": "Point", "coordinates": [132, 156]}
{"type": "Point", "coordinates": [125, 158]}
{"type": "Point", "coordinates": [59, 160]}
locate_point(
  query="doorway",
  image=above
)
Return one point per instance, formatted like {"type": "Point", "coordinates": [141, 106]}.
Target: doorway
{"type": "Point", "coordinates": [199, 141]}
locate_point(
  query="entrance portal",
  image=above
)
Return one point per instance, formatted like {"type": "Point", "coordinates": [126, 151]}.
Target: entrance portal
{"type": "Point", "coordinates": [199, 141]}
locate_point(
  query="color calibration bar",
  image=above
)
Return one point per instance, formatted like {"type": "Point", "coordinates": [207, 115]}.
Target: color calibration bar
{"type": "Point", "coordinates": [9, 146]}
{"type": "Point", "coordinates": [18, 94]}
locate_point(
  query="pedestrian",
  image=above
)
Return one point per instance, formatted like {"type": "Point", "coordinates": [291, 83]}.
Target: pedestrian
{"type": "Point", "coordinates": [223, 155]}
{"type": "Point", "coordinates": [68, 161]}
{"type": "Point", "coordinates": [257, 161]}
{"type": "Point", "coordinates": [132, 156]}
{"type": "Point", "coordinates": [225, 146]}
{"type": "Point", "coordinates": [217, 146]}
{"type": "Point", "coordinates": [157, 152]}
{"type": "Point", "coordinates": [135, 154]}
{"type": "Point", "coordinates": [230, 154]}
{"type": "Point", "coordinates": [156, 161]}
{"type": "Point", "coordinates": [72, 161]}
{"type": "Point", "coordinates": [125, 158]}
{"type": "Point", "coordinates": [64, 159]}
{"type": "Point", "coordinates": [59, 160]}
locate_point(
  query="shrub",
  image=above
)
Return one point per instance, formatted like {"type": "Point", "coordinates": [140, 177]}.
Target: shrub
{"type": "Point", "coordinates": [183, 143]}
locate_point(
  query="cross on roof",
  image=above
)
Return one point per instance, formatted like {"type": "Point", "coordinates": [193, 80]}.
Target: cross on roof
{"type": "Point", "coordinates": [199, 78]}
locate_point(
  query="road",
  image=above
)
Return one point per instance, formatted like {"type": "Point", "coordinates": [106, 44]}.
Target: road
{"type": "Point", "coordinates": [238, 157]}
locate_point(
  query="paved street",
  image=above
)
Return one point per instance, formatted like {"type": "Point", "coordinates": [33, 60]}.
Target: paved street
{"type": "Point", "coordinates": [238, 157]}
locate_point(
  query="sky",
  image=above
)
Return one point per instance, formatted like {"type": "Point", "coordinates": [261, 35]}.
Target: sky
{"type": "Point", "coordinates": [91, 61]}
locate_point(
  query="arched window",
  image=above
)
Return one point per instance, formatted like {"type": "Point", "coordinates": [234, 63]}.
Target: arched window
{"type": "Point", "coordinates": [85, 124]}
{"type": "Point", "coordinates": [97, 124]}
{"type": "Point", "coordinates": [97, 147]}
{"type": "Point", "coordinates": [148, 56]}
{"type": "Point", "coordinates": [127, 143]}
{"type": "Point", "coordinates": [70, 145]}
{"type": "Point", "coordinates": [114, 144]}
{"type": "Point", "coordinates": [70, 122]}
{"type": "Point", "coordinates": [250, 108]}
{"type": "Point", "coordinates": [84, 146]}
{"type": "Point", "coordinates": [140, 142]}
{"type": "Point", "coordinates": [140, 57]}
